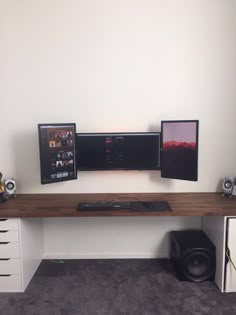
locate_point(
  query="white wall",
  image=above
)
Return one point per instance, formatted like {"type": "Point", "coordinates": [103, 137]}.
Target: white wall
{"type": "Point", "coordinates": [140, 237]}
{"type": "Point", "coordinates": [117, 66]}
{"type": "Point", "coordinates": [112, 65]}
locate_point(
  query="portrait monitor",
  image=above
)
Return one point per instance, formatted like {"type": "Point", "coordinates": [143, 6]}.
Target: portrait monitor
{"type": "Point", "coordinates": [57, 152]}
{"type": "Point", "coordinates": [179, 149]}
{"type": "Point", "coordinates": [118, 151]}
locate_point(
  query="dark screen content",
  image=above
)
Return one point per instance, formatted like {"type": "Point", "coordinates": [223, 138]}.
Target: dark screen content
{"type": "Point", "coordinates": [121, 152]}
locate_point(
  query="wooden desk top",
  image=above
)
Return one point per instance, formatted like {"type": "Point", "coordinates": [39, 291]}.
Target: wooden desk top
{"type": "Point", "coordinates": [64, 205]}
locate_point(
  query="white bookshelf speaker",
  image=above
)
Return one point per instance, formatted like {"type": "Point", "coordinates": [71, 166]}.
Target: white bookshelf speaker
{"type": "Point", "coordinates": [10, 187]}
{"type": "Point", "coordinates": [227, 185]}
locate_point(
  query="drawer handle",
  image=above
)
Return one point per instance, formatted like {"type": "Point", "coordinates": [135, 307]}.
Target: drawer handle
{"type": "Point", "coordinates": [5, 231]}
{"type": "Point", "coordinates": [3, 219]}
{"type": "Point", "coordinates": [4, 243]}
{"type": "Point", "coordinates": [5, 275]}
{"type": "Point", "coordinates": [4, 259]}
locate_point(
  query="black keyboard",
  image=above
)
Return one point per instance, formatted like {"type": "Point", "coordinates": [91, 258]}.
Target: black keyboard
{"type": "Point", "coordinates": [103, 205]}
{"type": "Point", "coordinates": [136, 206]}
{"type": "Point", "coordinates": [151, 206]}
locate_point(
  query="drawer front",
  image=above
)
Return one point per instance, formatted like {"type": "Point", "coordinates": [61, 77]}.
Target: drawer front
{"type": "Point", "coordinates": [10, 267]}
{"type": "Point", "coordinates": [10, 283]}
{"type": "Point", "coordinates": [9, 236]}
{"type": "Point", "coordinates": [8, 224]}
{"type": "Point", "coordinates": [9, 250]}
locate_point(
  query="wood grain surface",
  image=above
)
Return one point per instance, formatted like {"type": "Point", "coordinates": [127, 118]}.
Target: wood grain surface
{"type": "Point", "coordinates": [65, 205]}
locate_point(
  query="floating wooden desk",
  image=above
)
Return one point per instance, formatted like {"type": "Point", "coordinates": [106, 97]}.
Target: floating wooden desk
{"type": "Point", "coordinates": [22, 230]}
{"type": "Point", "coordinates": [64, 205]}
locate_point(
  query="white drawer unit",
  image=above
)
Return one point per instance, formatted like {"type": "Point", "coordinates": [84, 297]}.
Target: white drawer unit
{"type": "Point", "coordinates": [9, 250]}
{"type": "Point", "coordinates": [20, 252]}
{"type": "Point", "coordinates": [10, 283]}
{"type": "Point", "coordinates": [9, 236]}
{"type": "Point", "coordinates": [8, 224]}
{"type": "Point", "coordinates": [10, 265]}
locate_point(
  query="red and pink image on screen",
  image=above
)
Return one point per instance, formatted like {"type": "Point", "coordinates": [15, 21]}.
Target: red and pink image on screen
{"type": "Point", "coordinates": [180, 149]}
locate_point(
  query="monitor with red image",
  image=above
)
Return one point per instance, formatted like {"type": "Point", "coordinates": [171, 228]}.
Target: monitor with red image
{"type": "Point", "coordinates": [57, 152]}
{"type": "Point", "coordinates": [179, 152]}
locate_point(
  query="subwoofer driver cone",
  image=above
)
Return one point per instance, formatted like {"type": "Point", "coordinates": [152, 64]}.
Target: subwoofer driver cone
{"type": "Point", "coordinates": [198, 266]}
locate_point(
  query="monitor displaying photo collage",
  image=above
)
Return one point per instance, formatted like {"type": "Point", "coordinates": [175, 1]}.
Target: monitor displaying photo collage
{"type": "Point", "coordinates": [57, 152]}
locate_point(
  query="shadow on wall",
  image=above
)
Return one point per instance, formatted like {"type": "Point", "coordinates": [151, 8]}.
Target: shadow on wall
{"type": "Point", "coordinates": [166, 183]}
{"type": "Point", "coordinates": [162, 248]}
{"type": "Point", "coordinates": [26, 160]}
{"type": "Point", "coordinates": [155, 176]}
{"type": "Point", "coordinates": [219, 185]}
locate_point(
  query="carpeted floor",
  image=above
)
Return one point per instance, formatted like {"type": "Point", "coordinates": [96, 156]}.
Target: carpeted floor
{"type": "Point", "coordinates": [115, 287]}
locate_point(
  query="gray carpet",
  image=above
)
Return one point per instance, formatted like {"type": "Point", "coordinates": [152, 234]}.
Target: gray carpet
{"type": "Point", "coordinates": [115, 287]}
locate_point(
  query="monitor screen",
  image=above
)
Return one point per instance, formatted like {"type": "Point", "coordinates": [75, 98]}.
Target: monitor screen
{"type": "Point", "coordinates": [118, 151]}
{"type": "Point", "coordinates": [179, 152]}
{"type": "Point", "coordinates": [57, 152]}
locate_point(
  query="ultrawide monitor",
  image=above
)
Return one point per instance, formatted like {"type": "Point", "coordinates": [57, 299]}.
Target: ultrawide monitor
{"type": "Point", "coordinates": [118, 151]}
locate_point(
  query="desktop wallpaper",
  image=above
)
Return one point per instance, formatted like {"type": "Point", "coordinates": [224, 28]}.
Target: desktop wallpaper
{"type": "Point", "coordinates": [179, 150]}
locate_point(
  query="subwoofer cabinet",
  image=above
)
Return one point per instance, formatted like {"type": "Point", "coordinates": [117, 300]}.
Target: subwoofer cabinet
{"type": "Point", "coordinates": [222, 231]}
{"type": "Point", "coordinates": [193, 255]}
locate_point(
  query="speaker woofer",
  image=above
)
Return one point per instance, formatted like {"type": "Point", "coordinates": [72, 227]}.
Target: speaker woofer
{"type": "Point", "coordinates": [193, 255]}
{"type": "Point", "coordinates": [198, 266]}
{"type": "Point", "coordinates": [228, 184]}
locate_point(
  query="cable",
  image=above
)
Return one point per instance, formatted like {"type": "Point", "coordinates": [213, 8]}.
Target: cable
{"type": "Point", "coordinates": [57, 261]}
{"type": "Point", "coordinates": [227, 253]}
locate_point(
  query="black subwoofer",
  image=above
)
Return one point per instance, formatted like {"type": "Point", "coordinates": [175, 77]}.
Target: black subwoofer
{"type": "Point", "coordinates": [193, 255]}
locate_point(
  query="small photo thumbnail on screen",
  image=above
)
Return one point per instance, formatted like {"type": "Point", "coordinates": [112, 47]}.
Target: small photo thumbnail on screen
{"type": "Point", "coordinates": [58, 143]}
{"type": "Point", "coordinates": [58, 163]}
{"type": "Point", "coordinates": [64, 155]}
{"type": "Point", "coordinates": [52, 144]}
{"type": "Point", "coordinates": [62, 163]}
{"type": "Point", "coordinates": [63, 134]}
{"type": "Point", "coordinates": [69, 154]}
{"type": "Point", "coordinates": [59, 175]}
{"type": "Point", "coordinates": [67, 142]}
